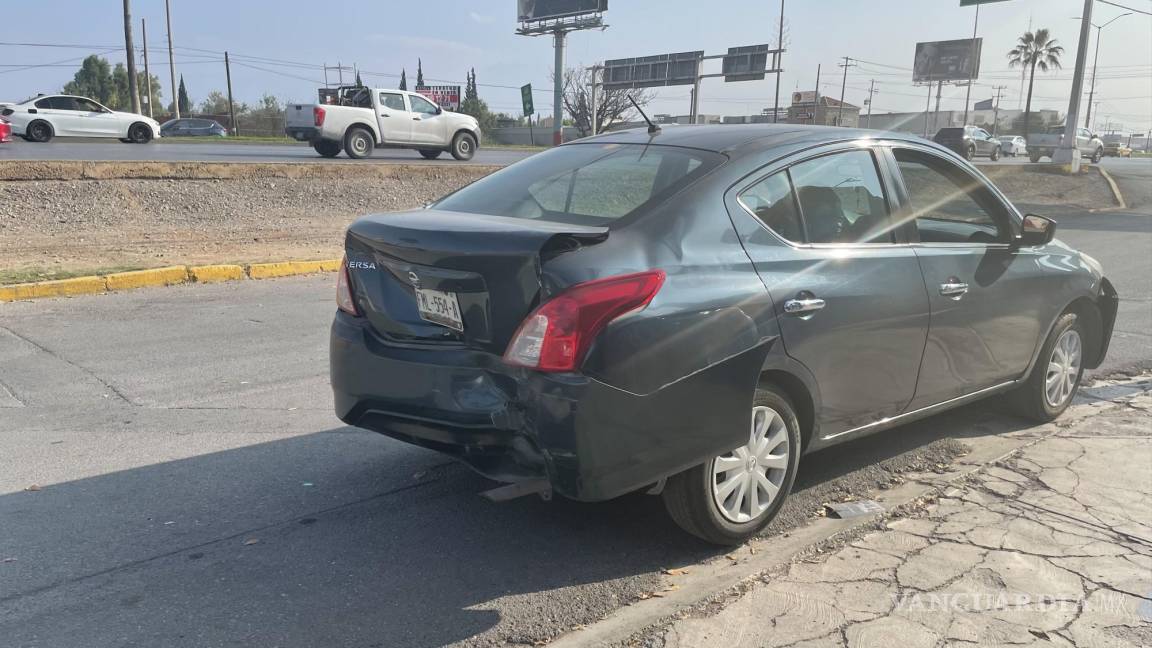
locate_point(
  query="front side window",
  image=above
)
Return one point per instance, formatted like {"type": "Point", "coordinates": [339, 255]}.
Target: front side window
{"type": "Point", "coordinates": [584, 184]}
{"type": "Point", "coordinates": [393, 101]}
{"type": "Point", "coordinates": [64, 103]}
{"type": "Point", "coordinates": [841, 200]}
{"type": "Point", "coordinates": [421, 105]}
{"type": "Point", "coordinates": [946, 202]}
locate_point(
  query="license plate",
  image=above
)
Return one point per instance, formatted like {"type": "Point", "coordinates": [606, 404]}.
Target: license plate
{"type": "Point", "coordinates": [439, 308]}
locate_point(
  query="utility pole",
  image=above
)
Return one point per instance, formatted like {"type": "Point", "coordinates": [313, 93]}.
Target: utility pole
{"type": "Point", "coordinates": [996, 108]}
{"type": "Point", "coordinates": [231, 106]}
{"type": "Point", "coordinates": [780, 45]}
{"type": "Point", "coordinates": [171, 61]}
{"type": "Point", "coordinates": [968, 96]}
{"type": "Point", "coordinates": [936, 115]}
{"type": "Point", "coordinates": [1068, 153]}
{"type": "Point", "coordinates": [927, 109]}
{"type": "Point", "coordinates": [594, 121]}
{"type": "Point", "coordinates": [871, 91]}
{"type": "Point", "coordinates": [129, 50]}
{"type": "Point", "coordinates": [147, 74]}
{"type": "Point", "coordinates": [558, 88]}
{"type": "Point", "coordinates": [843, 88]}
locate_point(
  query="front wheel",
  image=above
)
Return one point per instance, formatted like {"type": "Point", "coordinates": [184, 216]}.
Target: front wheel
{"type": "Point", "coordinates": [970, 153]}
{"type": "Point", "coordinates": [430, 154]}
{"type": "Point", "coordinates": [463, 146]}
{"type": "Point", "coordinates": [1097, 156]}
{"type": "Point", "coordinates": [1034, 157]}
{"type": "Point", "coordinates": [995, 154]}
{"type": "Point", "coordinates": [140, 134]}
{"type": "Point", "coordinates": [733, 496]}
{"type": "Point", "coordinates": [358, 143]}
{"type": "Point", "coordinates": [1054, 380]}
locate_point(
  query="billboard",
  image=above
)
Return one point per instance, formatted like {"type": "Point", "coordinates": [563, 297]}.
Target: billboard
{"type": "Point", "coordinates": [680, 68]}
{"type": "Point", "coordinates": [804, 97]}
{"type": "Point", "coordinates": [953, 60]}
{"type": "Point", "coordinates": [447, 97]}
{"type": "Point", "coordinates": [746, 63]}
{"type": "Point", "coordinates": [532, 10]}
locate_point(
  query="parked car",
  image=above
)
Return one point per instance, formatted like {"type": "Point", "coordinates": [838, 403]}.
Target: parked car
{"type": "Point", "coordinates": [43, 117]}
{"type": "Point", "coordinates": [5, 131]}
{"type": "Point", "coordinates": [1013, 145]}
{"type": "Point", "coordinates": [687, 313]}
{"type": "Point", "coordinates": [193, 127]}
{"type": "Point", "coordinates": [969, 142]}
{"type": "Point", "coordinates": [1117, 149]}
{"type": "Point", "coordinates": [1045, 144]}
{"type": "Point", "coordinates": [357, 119]}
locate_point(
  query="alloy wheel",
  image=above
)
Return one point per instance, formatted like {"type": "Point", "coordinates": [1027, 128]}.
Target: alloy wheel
{"type": "Point", "coordinates": [1063, 369]}
{"type": "Point", "coordinates": [747, 480]}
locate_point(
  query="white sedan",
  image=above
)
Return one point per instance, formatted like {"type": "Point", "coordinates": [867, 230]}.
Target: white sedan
{"type": "Point", "coordinates": [41, 118]}
{"type": "Point", "coordinates": [1013, 145]}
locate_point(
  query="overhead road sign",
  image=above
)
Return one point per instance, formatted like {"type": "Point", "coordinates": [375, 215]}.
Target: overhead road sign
{"type": "Point", "coordinates": [680, 68]}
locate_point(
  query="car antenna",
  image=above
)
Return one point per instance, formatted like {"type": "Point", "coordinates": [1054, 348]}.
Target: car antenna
{"type": "Point", "coordinates": [652, 128]}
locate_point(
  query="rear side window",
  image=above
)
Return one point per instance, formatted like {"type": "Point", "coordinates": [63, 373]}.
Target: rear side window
{"type": "Point", "coordinates": [772, 201]}
{"type": "Point", "coordinates": [585, 184]}
{"type": "Point", "coordinates": [393, 101]}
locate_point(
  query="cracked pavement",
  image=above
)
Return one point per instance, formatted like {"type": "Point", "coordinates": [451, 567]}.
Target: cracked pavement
{"type": "Point", "coordinates": [1051, 546]}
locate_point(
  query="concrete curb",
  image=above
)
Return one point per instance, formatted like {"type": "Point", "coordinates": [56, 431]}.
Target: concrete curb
{"type": "Point", "coordinates": [1119, 197]}
{"type": "Point", "coordinates": [168, 276]}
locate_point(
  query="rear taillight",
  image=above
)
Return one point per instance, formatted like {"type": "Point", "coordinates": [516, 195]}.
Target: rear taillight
{"type": "Point", "coordinates": [318, 115]}
{"type": "Point", "coordinates": [557, 335]}
{"type": "Point", "coordinates": [344, 300]}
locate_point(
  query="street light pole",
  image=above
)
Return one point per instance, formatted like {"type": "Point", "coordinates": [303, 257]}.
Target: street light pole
{"type": "Point", "coordinates": [780, 45]}
{"type": "Point", "coordinates": [968, 95]}
{"type": "Point", "coordinates": [1095, 60]}
{"type": "Point", "coordinates": [171, 60]}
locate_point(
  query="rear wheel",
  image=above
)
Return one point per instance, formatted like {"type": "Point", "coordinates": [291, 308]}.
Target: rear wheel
{"type": "Point", "coordinates": [140, 133]}
{"type": "Point", "coordinates": [358, 143]}
{"type": "Point", "coordinates": [38, 131]}
{"type": "Point", "coordinates": [327, 148]}
{"type": "Point", "coordinates": [430, 154]}
{"type": "Point", "coordinates": [995, 154]}
{"type": "Point", "coordinates": [1056, 376]}
{"type": "Point", "coordinates": [1034, 157]}
{"type": "Point", "coordinates": [970, 153]}
{"type": "Point", "coordinates": [1097, 156]}
{"type": "Point", "coordinates": [733, 496]}
{"type": "Point", "coordinates": [463, 146]}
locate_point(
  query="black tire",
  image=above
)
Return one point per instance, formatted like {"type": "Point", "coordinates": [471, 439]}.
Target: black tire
{"type": "Point", "coordinates": [995, 154]}
{"type": "Point", "coordinates": [463, 146]}
{"type": "Point", "coordinates": [430, 154]}
{"type": "Point", "coordinates": [688, 496]}
{"type": "Point", "coordinates": [140, 133]}
{"type": "Point", "coordinates": [39, 131]}
{"type": "Point", "coordinates": [358, 143]}
{"type": "Point", "coordinates": [1097, 156]}
{"type": "Point", "coordinates": [327, 148]}
{"type": "Point", "coordinates": [1034, 157]}
{"type": "Point", "coordinates": [970, 153]}
{"type": "Point", "coordinates": [1031, 399]}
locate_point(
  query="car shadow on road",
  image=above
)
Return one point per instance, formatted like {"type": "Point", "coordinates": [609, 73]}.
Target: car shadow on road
{"type": "Point", "coordinates": [374, 550]}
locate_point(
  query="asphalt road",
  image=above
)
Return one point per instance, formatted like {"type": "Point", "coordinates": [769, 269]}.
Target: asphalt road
{"type": "Point", "coordinates": [161, 151]}
{"type": "Point", "coordinates": [192, 487]}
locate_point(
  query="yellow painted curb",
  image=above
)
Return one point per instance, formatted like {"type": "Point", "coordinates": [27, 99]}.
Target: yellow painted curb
{"type": "Point", "coordinates": [289, 268]}
{"type": "Point", "coordinates": [163, 277]}
{"type": "Point", "coordinates": [215, 273]}
{"type": "Point", "coordinates": [1116, 195]}
{"type": "Point", "coordinates": [56, 288]}
{"type": "Point", "coordinates": [142, 278]}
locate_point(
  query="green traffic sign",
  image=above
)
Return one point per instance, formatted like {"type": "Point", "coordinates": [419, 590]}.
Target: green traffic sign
{"type": "Point", "coordinates": [526, 99]}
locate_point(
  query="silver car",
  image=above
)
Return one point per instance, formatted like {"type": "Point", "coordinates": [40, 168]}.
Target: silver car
{"type": "Point", "coordinates": [1013, 145]}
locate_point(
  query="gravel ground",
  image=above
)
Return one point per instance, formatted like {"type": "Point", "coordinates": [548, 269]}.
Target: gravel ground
{"type": "Point", "coordinates": [95, 216]}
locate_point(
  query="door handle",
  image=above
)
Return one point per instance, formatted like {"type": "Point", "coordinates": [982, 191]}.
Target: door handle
{"type": "Point", "coordinates": [385, 115]}
{"type": "Point", "coordinates": [415, 119]}
{"type": "Point", "coordinates": [801, 306]}
{"type": "Point", "coordinates": [953, 288]}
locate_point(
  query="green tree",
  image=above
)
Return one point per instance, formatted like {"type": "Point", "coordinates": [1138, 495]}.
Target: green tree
{"type": "Point", "coordinates": [419, 73]}
{"type": "Point", "coordinates": [185, 100]}
{"type": "Point", "coordinates": [470, 91]}
{"type": "Point", "coordinates": [216, 103]}
{"type": "Point", "coordinates": [359, 83]}
{"type": "Point", "coordinates": [94, 80]}
{"type": "Point", "coordinates": [1034, 50]}
{"type": "Point", "coordinates": [403, 79]}
{"type": "Point", "coordinates": [475, 106]}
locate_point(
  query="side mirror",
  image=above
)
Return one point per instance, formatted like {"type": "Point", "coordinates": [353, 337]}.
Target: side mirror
{"type": "Point", "coordinates": [1036, 231]}
{"type": "Point", "coordinates": [439, 110]}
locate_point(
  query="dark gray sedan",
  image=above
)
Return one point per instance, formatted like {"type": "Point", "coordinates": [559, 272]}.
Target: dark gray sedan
{"type": "Point", "coordinates": [689, 311]}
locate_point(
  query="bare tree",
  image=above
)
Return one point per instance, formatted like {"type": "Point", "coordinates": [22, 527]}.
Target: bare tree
{"type": "Point", "coordinates": [612, 105]}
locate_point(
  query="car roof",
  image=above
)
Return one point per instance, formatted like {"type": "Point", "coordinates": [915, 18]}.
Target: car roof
{"type": "Point", "coordinates": [744, 138]}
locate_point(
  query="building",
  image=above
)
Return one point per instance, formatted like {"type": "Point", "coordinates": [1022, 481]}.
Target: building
{"type": "Point", "coordinates": [807, 108]}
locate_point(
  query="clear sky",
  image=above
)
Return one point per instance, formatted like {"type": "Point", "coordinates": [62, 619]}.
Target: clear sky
{"type": "Point", "coordinates": [294, 38]}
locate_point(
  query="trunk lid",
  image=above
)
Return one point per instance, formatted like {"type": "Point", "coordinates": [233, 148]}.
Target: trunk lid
{"type": "Point", "coordinates": [299, 115]}
{"type": "Point", "coordinates": [492, 264]}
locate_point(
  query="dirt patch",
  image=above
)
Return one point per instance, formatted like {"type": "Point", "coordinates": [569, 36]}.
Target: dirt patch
{"type": "Point", "coordinates": [1048, 185]}
{"type": "Point", "coordinates": [227, 213]}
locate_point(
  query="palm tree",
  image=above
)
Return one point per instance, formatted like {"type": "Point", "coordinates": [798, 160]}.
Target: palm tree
{"type": "Point", "coordinates": [1034, 50]}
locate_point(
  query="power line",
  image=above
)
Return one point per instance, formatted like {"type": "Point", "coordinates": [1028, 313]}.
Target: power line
{"type": "Point", "coordinates": [1139, 11]}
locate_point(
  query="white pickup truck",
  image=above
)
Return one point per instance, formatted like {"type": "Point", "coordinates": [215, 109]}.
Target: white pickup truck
{"type": "Point", "coordinates": [356, 120]}
{"type": "Point", "coordinates": [1045, 144]}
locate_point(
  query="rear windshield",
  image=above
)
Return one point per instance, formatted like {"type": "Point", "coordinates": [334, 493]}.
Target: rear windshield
{"type": "Point", "coordinates": [950, 132]}
{"type": "Point", "coordinates": [584, 184]}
